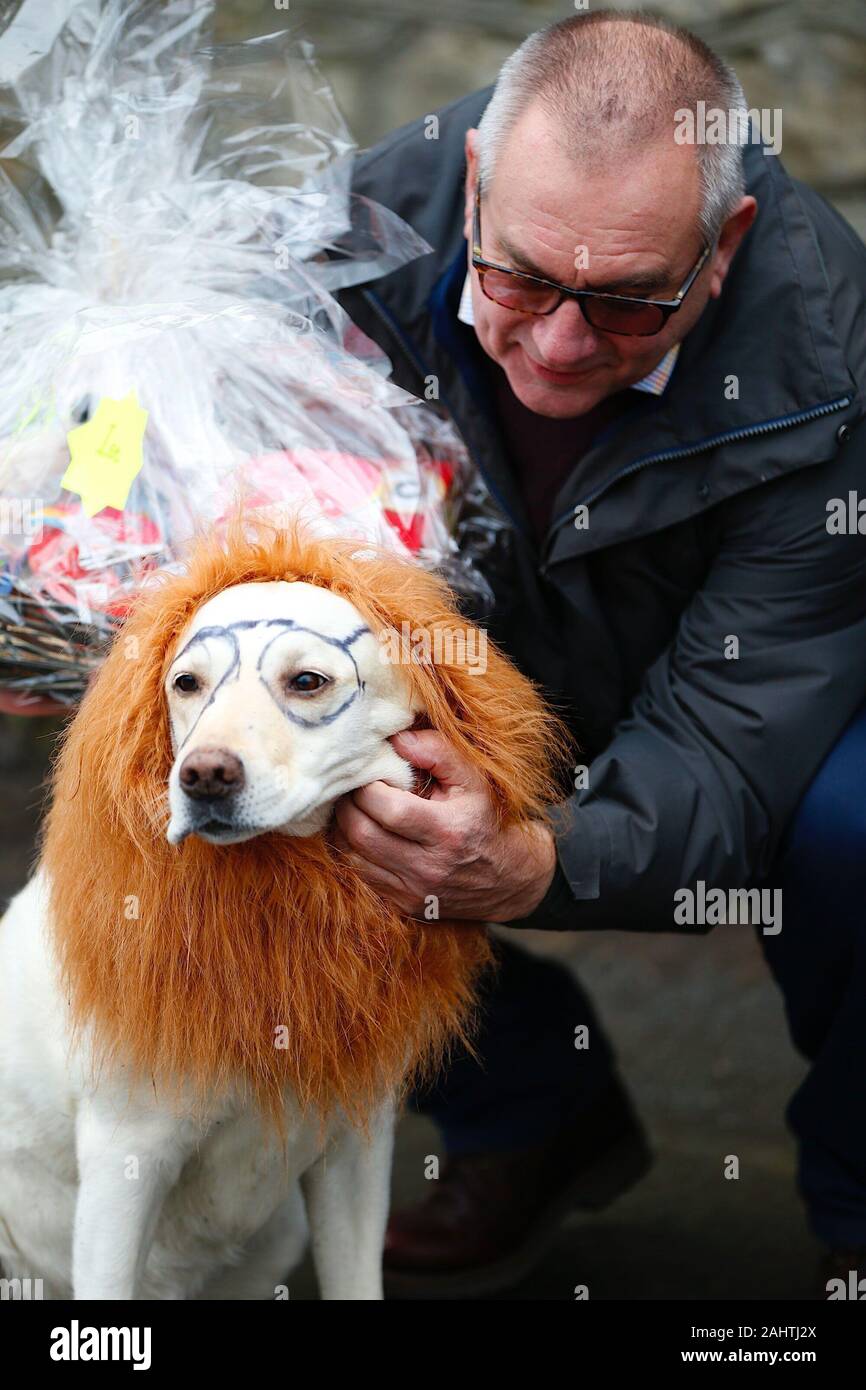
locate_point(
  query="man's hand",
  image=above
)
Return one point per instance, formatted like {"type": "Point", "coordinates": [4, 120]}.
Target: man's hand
{"type": "Point", "coordinates": [448, 846]}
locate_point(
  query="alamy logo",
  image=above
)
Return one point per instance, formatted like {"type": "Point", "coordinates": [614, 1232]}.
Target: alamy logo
{"type": "Point", "coordinates": [21, 1290]}
{"type": "Point", "coordinates": [443, 646]}
{"type": "Point", "coordinates": [854, 1289]}
{"type": "Point", "coordinates": [21, 516]}
{"type": "Point", "coordinates": [77, 1343]}
{"type": "Point", "coordinates": [710, 125]}
{"type": "Point", "coordinates": [710, 907]}
{"type": "Point", "coordinates": [846, 516]}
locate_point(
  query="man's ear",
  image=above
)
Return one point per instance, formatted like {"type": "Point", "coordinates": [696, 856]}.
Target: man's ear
{"type": "Point", "coordinates": [471, 151]}
{"type": "Point", "coordinates": [730, 236]}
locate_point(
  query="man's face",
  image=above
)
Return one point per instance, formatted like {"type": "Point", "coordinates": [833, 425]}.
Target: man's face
{"type": "Point", "coordinates": [638, 223]}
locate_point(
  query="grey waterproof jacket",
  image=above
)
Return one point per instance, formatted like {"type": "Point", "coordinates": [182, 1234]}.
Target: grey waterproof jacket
{"type": "Point", "coordinates": [707, 520]}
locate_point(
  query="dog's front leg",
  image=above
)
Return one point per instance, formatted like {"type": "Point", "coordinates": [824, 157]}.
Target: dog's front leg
{"type": "Point", "coordinates": [128, 1158]}
{"type": "Point", "coordinates": [347, 1192]}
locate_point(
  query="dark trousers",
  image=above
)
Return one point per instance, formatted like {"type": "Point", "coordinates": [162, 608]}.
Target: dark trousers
{"type": "Point", "coordinates": [530, 1076]}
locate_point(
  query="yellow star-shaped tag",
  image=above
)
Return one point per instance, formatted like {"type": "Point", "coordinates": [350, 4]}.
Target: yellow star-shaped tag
{"type": "Point", "coordinates": [106, 454]}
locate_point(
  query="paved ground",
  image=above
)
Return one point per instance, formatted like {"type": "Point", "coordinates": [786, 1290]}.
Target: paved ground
{"type": "Point", "coordinates": [701, 1038]}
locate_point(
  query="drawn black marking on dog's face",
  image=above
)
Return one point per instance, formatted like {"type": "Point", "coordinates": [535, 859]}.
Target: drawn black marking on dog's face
{"type": "Point", "coordinates": [229, 633]}
{"type": "Point", "coordinates": [273, 716]}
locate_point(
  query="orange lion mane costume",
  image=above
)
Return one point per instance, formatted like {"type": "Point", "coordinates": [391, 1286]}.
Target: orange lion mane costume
{"type": "Point", "coordinates": [187, 963]}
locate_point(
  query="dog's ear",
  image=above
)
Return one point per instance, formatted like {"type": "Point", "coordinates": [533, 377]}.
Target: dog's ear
{"type": "Point", "coordinates": [116, 754]}
{"type": "Point", "coordinates": [463, 686]}
{"type": "Point", "coordinates": [496, 720]}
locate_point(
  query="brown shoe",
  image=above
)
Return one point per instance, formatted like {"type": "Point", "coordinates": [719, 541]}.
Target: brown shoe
{"type": "Point", "coordinates": [843, 1275]}
{"type": "Point", "coordinates": [490, 1217]}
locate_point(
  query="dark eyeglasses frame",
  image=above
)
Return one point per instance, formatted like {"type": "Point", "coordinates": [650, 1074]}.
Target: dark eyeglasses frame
{"type": "Point", "coordinates": [667, 306]}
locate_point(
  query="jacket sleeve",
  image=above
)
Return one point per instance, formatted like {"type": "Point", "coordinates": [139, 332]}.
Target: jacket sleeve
{"type": "Point", "coordinates": [732, 721]}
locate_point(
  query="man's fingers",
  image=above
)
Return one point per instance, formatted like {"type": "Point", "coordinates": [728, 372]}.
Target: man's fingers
{"type": "Point", "coordinates": [368, 839]}
{"type": "Point", "coordinates": [427, 749]}
{"type": "Point", "coordinates": [404, 813]}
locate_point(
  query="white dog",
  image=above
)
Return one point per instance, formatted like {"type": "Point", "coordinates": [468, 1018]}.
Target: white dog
{"type": "Point", "coordinates": [108, 1195]}
{"type": "Point", "coordinates": [186, 901]}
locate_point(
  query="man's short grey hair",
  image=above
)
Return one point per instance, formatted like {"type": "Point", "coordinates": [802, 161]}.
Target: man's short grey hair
{"type": "Point", "coordinates": [612, 82]}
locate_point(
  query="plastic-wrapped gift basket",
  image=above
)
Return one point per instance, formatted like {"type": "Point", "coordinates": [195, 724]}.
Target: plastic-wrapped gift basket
{"type": "Point", "coordinates": [175, 219]}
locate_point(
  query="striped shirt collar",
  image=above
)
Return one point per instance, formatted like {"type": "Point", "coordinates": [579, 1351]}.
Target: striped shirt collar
{"type": "Point", "coordinates": [654, 382]}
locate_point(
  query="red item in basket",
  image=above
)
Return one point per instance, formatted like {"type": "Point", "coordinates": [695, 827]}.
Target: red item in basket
{"type": "Point", "coordinates": [54, 559]}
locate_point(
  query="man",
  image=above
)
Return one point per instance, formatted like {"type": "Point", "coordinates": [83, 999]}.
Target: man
{"type": "Point", "coordinates": [655, 352]}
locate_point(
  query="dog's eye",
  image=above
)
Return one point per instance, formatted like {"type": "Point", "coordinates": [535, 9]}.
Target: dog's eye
{"type": "Point", "coordinates": [306, 682]}
{"type": "Point", "coordinates": [186, 683]}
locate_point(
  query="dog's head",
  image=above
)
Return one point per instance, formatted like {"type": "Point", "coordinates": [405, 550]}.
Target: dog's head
{"type": "Point", "coordinates": [278, 701]}
{"type": "Point", "coordinates": [249, 692]}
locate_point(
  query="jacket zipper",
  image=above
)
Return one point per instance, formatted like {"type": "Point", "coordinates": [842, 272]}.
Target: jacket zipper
{"type": "Point", "coordinates": [732, 436]}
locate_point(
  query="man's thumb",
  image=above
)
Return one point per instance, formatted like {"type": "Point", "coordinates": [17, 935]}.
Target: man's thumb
{"type": "Point", "coordinates": [428, 750]}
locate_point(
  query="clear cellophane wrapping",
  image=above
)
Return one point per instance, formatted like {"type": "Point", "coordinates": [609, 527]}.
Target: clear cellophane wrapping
{"type": "Point", "coordinates": [175, 220]}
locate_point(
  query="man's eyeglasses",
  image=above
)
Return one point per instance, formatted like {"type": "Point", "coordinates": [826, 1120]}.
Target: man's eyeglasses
{"type": "Point", "coordinates": [611, 313]}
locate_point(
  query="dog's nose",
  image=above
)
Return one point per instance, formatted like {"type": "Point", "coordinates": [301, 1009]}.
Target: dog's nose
{"type": "Point", "coordinates": [209, 774]}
